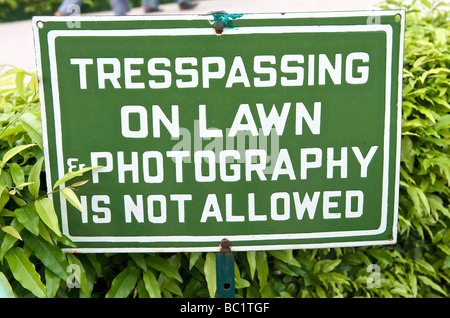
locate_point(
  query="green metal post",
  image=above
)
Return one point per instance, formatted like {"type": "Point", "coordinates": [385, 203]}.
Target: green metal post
{"type": "Point", "coordinates": [225, 271]}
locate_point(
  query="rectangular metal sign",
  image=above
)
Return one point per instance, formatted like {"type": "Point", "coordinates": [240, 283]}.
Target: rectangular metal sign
{"type": "Point", "coordinates": [274, 131]}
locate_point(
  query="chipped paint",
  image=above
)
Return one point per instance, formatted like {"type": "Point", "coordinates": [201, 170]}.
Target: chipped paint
{"type": "Point", "coordinates": [73, 251]}
{"type": "Point", "coordinates": [225, 18]}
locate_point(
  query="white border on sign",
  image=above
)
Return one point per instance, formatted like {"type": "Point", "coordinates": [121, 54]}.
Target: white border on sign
{"type": "Point", "coordinates": [207, 17]}
{"type": "Point", "coordinates": [52, 35]}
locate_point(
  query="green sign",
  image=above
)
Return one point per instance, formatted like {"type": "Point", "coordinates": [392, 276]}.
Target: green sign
{"type": "Point", "coordinates": [274, 131]}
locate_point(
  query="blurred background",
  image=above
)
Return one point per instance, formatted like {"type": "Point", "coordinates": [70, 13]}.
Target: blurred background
{"type": "Point", "coordinates": [13, 10]}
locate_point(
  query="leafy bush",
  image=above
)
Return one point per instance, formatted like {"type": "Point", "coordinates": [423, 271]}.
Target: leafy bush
{"type": "Point", "coordinates": [32, 263]}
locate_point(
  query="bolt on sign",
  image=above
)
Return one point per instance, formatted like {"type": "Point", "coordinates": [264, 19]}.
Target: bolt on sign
{"type": "Point", "coordinates": [274, 131]}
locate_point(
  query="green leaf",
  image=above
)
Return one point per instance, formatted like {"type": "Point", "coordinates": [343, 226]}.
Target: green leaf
{"type": "Point", "coordinates": [320, 292]}
{"type": "Point", "coordinates": [11, 71]}
{"type": "Point", "coordinates": [12, 152]}
{"type": "Point", "coordinates": [24, 272]}
{"type": "Point", "coordinates": [251, 257]}
{"type": "Point", "coordinates": [72, 198]}
{"type": "Point", "coordinates": [210, 274]}
{"type": "Point", "coordinates": [316, 268]}
{"type": "Point", "coordinates": [12, 231]}
{"type": "Point", "coordinates": [79, 184]}
{"type": "Point", "coordinates": [151, 284]}
{"type": "Point", "coordinates": [285, 256]}
{"type": "Point", "coordinates": [417, 196]}
{"type": "Point", "coordinates": [19, 83]}
{"type": "Point", "coordinates": [4, 196]}
{"type": "Point", "coordinates": [43, 232]}
{"type": "Point", "coordinates": [329, 265]}
{"type": "Point", "coordinates": [34, 177]}
{"type": "Point", "coordinates": [70, 175]}
{"type": "Point", "coordinates": [239, 281]}
{"type": "Point", "coordinates": [5, 288]}
{"type": "Point", "coordinates": [381, 255]}
{"type": "Point", "coordinates": [333, 277]}
{"type": "Point", "coordinates": [141, 291]}
{"type": "Point", "coordinates": [63, 239]}
{"type": "Point", "coordinates": [52, 282]}
{"type": "Point", "coordinates": [193, 257]}
{"type": "Point", "coordinates": [413, 283]}
{"type": "Point", "coordinates": [139, 259]}
{"type": "Point", "coordinates": [17, 173]}
{"type": "Point", "coordinates": [29, 218]}
{"type": "Point", "coordinates": [446, 263]}
{"type": "Point", "coordinates": [172, 286]}
{"type": "Point", "coordinates": [432, 284]}
{"type": "Point", "coordinates": [443, 123]}
{"type": "Point", "coordinates": [9, 240]}
{"type": "Point", "coordinates": [46, 211]}
{"type": "Point", "coordinates": [32, 125]}
{"type": "Point", "coordinates": [23, 185]}
{"type": "Point", "coordinates": [34, 83]}
{"type": "Point", "coordinates": [124, 283]}
{"type": "Point", "coordinates": [262, 268]}
{"type": "Point", "coordinates": [164, 266]}
{"type": "Point", "coordinates": [95, 263]}
{"type": "Point", "coordinates": [444, 248]}
{"type": "Point", "coordinates": [50, 255]}
{"type": "Point", "coordinates": [424, 267]}
{"type": "Point", "coordinates": [284, 268]}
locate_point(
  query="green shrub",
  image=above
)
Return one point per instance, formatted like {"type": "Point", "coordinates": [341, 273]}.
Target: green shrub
{"type": "Point", "coordinates": [32, 264]}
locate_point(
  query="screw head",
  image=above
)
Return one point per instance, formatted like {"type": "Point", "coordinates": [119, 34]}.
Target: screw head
{"type": "Point", "coordinates": [219, 26]}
